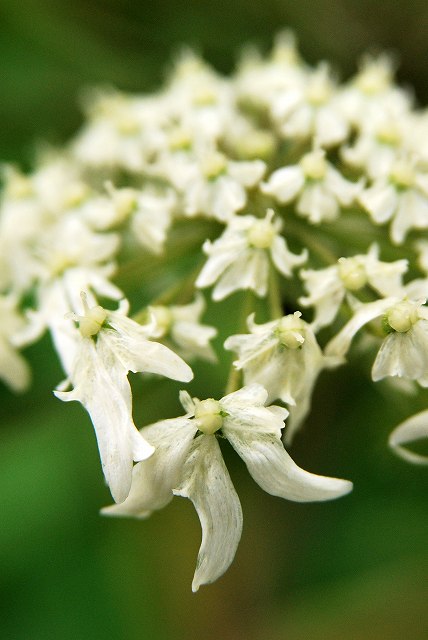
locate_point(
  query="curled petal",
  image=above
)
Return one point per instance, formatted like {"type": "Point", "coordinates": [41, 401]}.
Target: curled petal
{"type": "Point", "coordinates": [136, 353]}
{"type": "Point", "coordinates": [154, 479]}
{"type": "Point", "coordinates": [274, 470]}
{"type": "Point", "coordinates": [408, 431]}
{"type": "Point", "coordinates": [340, 344]}
{"type": "Point", "coordinates": [206, 482]}
{"type": "Point", "coordinates": [104, 391]}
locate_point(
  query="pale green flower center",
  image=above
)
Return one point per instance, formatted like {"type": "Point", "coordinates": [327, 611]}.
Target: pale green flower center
{"type": "Point", "coordinates": [352, 273]}
{"type": "Point", "coordinates": [314, 165]}
{"type": "Point", "coordinates": [289, 332]}
{"type": "Point", "coordinates": [214, 165]}
{"type": "Point", "coordinates": [374, 79]}
{"type": "Point", "coordinates": [402, 316]}
{"type": "Point", "coordinates": [179, 139]}
{"type": "Point", "coordinates": [261, 234]}
{"type": "Point", "coordinates": [403, 174]}
{"type": "Point", "coordinates": [257, 144]}
{"type": "Point", "coordinates": [92, 321]}
{"type": "Point", "coordinates": [208, 416]}
{"type": "Point", "coordinates": [389, 134]}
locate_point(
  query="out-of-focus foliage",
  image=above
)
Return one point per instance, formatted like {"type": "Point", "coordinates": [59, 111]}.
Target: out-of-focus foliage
{"type": "Point", "coordinates": [354, 569]}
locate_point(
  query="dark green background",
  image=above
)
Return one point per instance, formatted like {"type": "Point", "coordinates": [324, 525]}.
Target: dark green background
{"type": "Point", "coordinates": [355, 568]}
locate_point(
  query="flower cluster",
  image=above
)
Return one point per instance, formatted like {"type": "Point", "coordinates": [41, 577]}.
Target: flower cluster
{"type": "Point", "coordinates": [307, 195]}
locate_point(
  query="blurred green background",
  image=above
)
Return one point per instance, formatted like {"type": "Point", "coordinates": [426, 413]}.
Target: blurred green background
{"type": "Point", "coordinates": [355, 568]}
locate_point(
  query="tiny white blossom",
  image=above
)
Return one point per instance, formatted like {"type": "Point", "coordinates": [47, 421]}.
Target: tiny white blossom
{"type": "Point", "coordinates": [401, 196]}
{"type": "Point", "coordinates": [312, 110]}
{"type": "Point", "coordinates": [404, 350]}
{"type": "Point", "coordinates": [109, 345]}
{"type": "Point", "coordinates": [240, 258]}
{"type": "Point", "coordinates": [188, 462]}
{"type": "Point", "coordinates": [284, 357]}
{"type": "Point", "coordinates": [328, 287]}
{"type": "Point", "coordinates": [319, 188]}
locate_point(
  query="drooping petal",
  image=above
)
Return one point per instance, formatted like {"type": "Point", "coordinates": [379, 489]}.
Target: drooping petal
{"type": "Point", "coordinates": [340, 344]}
{"type": "Point", "coordinates": [403, 354]}
{"type": "Point", "coordinates": [206, 482]}
{"type": "Point", "coordinates": [274, 470]}
{"type": "Point", "coordinates": [154, 479]}
{"type": "Point", "coordinates": [136, 353]}
{"type": "Point", "coordinates": [414, 428]}
{"type": "Point", "coordinates": [103, 389]}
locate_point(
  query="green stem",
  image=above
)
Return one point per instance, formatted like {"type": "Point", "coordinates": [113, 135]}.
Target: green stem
{"type": "Point", "coordinates": [274, 295]}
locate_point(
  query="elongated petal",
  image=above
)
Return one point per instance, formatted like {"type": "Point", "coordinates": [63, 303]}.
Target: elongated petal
{"type": "Point", "coordinates": [206, 482]}
{"type": "Point", "coordinates": [103, 389]}
{"type": "Point", "coordinates": [154, 479]}
{"type": "Point", "coordinates": [403, 354]}
{"type": "Point", "coordinates": [414, 428]}
{"type": "Point", "coordinates": [274, 470]}
{"type": "Point", "coordinates": [139, 354]}
{"type": "Point", "coordinates": [340, 344]}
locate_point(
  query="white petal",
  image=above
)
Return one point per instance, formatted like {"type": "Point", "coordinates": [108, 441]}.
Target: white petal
{"type": "Point", "coordinates": [340, 344]}
{"type": "Point", "coordinates": [154, 479]}
{"type": "Point", "coordinates": [103, 389]}
{"type": "Point", "coordinates": [284, 184]}
{"type": "Point", "coordinates": [380, 201]}
{"type": "Point", "coordinates": [206, 482]}
{"type": "Point", "coordinates": [275, 472]}
{"type": "Point", "coordinates": [414, 428]}
{"type": "Point", "coordinates": [403, 354]}
{"type": "Point", "coordinates": [282, 257]}
{"type": "Point", "coordinates": [249, 271]}
{"type": "Point", "coordinates": [136, 353]}
{"type": "Point", "coordinates": [317, 203]}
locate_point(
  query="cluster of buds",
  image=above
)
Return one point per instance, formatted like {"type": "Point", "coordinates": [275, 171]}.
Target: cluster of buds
{"type": "Point", "coordinates": [309, 196]}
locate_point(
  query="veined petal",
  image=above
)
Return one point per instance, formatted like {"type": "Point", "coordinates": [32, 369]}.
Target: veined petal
{"type": "Point", "coordinates": [206, 482]}
{"type": "Point", "coordinates": [340, 344]}
{"type": "Point", "coordinates": [273, 469]}
{"type": "Point", "coordinates": [103, 388]}
{"type": "Point", "coordinates": [249, 272]}
{"type": "Point", "coordinates": [403, 354]}
{"type": "Point", "coordinates": [154, 479]}
{"type": "Point", "coordinates": [412, 429]}
{"type": "Point", "coordinates": [136, 353]}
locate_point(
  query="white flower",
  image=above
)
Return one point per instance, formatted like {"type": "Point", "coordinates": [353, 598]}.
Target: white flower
{"type": "Point", "coordinates": [328, 287]}
{"type": "Point", "coordinates": [401, 196]}
{"type": "Point", "coordinates": [188, 462]}
{"type": "Point", "coordinates": [284, 357]}
{"type": "Point", "coordinates": [240, 258]}
{"type": "Point", "coordinates": [414, 428]}
{"type": "Point", "coordinates": [311, 110]}
{"type": "Point", "coordinates": [404, 350]}
{"type": "Point", "coordinates": [319, 188]}
{"type": "Point", "coordinates": [372, 94]}
{"type": "Point", "coordinates": [109, 345]}
{"type": "Point", "coordinates": [216, 187]}
{"type": "Point", "coordinates": [179, 328]}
